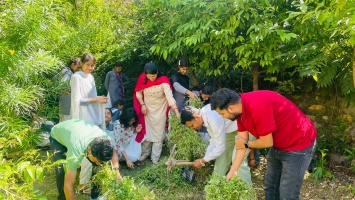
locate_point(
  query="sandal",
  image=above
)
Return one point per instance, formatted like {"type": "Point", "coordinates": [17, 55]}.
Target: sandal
{"type": "Point", "coordinates": [85, 190]}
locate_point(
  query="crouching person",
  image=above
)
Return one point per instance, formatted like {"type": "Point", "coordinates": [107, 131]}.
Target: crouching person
{"type": "Point", "coordinates": [73, 140]}
{"type": "Point", "coordinates": [222, 133]}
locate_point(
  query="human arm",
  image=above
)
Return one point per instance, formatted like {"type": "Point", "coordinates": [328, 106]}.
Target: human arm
{"type": "Point", "coordinates": [69, 180]}
{"type": "Point", "coordinates": [252, 162]}
{"type": "Point", "coordinates": [262, 142]}
{"type": "Point", "coordinates": [139, 95]}
{"type": "Point", "coordinates": [179, 88]}
{"type": "Point", "coordinates": [115, 165]}
{"type": "Point", "coordinates": [216, 129]}
{"type": "Point", "coordinates": [169, 97]}
{"type": "Point", "coordinates": [107, 81]}
{"type": "Point", "coordinates": [128, 161]}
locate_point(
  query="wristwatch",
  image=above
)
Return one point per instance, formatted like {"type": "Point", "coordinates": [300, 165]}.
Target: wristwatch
{"type": "Point", "coordinates": [246, 144]}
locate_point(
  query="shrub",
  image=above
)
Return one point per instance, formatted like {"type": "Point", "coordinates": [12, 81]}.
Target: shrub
{"type": "Point", "coordinates": [112, 189]}
{"type": "Point", "coordinates": [235, 189]}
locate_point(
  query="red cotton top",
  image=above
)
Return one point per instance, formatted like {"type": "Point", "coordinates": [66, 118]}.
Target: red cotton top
{"type": "Point", "coordinates": [265, 112]}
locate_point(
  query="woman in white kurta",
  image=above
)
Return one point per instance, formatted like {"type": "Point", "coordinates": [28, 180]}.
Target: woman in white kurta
{"type": "Point", "coordinates": [85, 104]}
{"type": "Point", "coordinates": [153, 96]}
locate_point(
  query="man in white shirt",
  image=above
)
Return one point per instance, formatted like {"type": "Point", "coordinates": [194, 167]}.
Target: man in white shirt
{"type": "Point", "coordinates": [222, 133]}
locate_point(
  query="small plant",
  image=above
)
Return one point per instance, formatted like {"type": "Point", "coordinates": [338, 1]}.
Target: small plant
{"type": "Point", "coordinates": [351, 157]}
{"type": "Point", "coordinates": [125, 188]}
{"type": "Point", "coordinates": [320, 171]}
{"type": "Point", "coordinates": [236, 189]}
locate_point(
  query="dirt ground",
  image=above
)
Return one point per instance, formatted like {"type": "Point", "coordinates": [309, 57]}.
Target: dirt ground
{"type": "Point", "coordinates": [342, 186]}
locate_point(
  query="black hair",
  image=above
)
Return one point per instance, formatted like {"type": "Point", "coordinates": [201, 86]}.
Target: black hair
{"type": "Point", "coordinates": [119, 64]}
{"type": "Point", "coordinates": [224, 97]}
{"type": "Point", "coordinates": [186, 115]}
{"type": "Point", "coordinates": [126, 116]}
{"type": "Point", "coordinates": [119, 102]}
{"type": "Point", "coordinates": [183, 62]}
{"type": "Point", "coordinates": [87, 57]}
{"type": "Point", "coordinates": [109, 110]}
{"type": "Point", "coordinates": [101, 148]}
{"type": "Point", "coordinates": [151, 68]}
{"type": "Point", "coordinates": [207, 89]}
{"type": "Point", "coordinates": [74, 60]}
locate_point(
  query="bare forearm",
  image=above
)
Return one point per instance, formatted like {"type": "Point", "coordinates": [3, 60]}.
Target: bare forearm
{"type": "Point", "coordinates": [125, 155]}
{"type": "Point", "coordinates": [260, 143]}
{"type": "Point", "coordinates": [238, 159]}
{"type": "Point", "coordinates": [69, 192]}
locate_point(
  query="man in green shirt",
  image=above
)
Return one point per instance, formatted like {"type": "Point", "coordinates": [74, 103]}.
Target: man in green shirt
{"type": "Point", "coordinates": [73, 140]}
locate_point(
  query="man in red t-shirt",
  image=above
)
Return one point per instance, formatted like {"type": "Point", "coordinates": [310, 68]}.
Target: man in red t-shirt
{"type": "Point", "coordinates": [278, 123]}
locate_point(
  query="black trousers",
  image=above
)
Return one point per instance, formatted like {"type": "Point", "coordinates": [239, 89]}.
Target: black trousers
{"type": "Point", "coordinates": [59, 152]}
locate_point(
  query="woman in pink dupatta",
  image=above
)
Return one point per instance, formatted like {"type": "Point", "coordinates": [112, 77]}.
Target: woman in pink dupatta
{"type": "Point", "coordinates": [152, 99]}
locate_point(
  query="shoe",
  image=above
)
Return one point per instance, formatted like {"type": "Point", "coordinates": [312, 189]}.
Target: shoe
{"type": "Point", "coordinates": [84, 190]}
{"type": "Point", "coordinates": [154, 162]}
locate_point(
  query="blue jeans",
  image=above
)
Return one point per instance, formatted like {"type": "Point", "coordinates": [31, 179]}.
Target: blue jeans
{"type": "Point", "coordinates": [285, 172]}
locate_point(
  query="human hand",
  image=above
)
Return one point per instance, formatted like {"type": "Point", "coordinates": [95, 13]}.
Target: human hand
{"type": "Point", "coordinates": [139, 128]}
{"type": "Point", "coordinates": [102, 99]}
{"type": "Point", "coordinates": [197, 164]}
{"type": "Point", "coordinates": [130, 164]}
{"type": "Point", "coordinates": [191, 94]}
{"type": "Point", "coordinates": [118, 175]}
{"type": "Point", "coordinates": [144, 109]}
{"type": "Point", "coordinates": [252, 163]}
{"type": "Point", "coordinates": [230, 175]}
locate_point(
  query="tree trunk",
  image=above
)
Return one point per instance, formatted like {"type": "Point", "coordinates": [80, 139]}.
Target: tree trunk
{"type": "Point", "coordinates": [194, 79]}
{"type": "Point", "coordinates": [255, 72]}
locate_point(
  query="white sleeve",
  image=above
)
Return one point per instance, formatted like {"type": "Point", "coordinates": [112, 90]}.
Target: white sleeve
{"type": "Point", "coordinates": [218, 136]}
{"type": "Point", "coordinates": [75, 96]}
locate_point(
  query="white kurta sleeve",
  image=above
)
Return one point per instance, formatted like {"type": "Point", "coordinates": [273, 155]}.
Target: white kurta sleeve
{"type": "Point", "coordinates": [139, 94]}
{"type": "Point", "coordinates": [216, 130]}
{"type": "Point", "coordinates": [75, 96]}
{"type": "Point", "coordinates": [168, 94]}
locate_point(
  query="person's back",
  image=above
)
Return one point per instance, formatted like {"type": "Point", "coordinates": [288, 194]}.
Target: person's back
{"type": "Point", "coordinates": [76, 135]}
{"type": "Point", "coordinates": [290, 127]}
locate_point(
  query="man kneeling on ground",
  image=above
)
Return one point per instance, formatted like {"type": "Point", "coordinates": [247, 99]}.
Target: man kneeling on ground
{"type": "Point", "coordinates": [73, 140]}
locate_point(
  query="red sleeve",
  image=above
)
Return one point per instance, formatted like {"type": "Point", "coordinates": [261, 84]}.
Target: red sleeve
{"type": "Point", "coordinates": [264, 119]}
{"type": "Point", "coordinates": [241, 127]}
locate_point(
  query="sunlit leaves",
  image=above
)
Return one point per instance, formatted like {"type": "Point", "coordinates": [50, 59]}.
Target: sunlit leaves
{"type": "Point", "coordinates": [235, 189]}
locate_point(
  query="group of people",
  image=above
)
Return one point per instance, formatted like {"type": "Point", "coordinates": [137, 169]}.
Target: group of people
{"type": "Point", "coordinates": [95, 129]}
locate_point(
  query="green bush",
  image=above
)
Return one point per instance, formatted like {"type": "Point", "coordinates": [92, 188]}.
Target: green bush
{"type": "Point", "coordinates": [235, 189]}
{"type": "Point", "coordinates": [126, 188]}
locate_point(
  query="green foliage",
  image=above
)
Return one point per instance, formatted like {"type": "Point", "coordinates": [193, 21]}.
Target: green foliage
{"type": "Point", "coordinates": [320, 171]}
{"type": "Point", "coordinates": [125, 188]}
{"type": "Point", "coordinates": [326, 50]}
{"type": "Point", "coordinates": [18, 177]}
{"type": "Point", "coordinates": [236, 188]}
{"type": "Point", "coordinates": [192, 145]}
{"type": "Point", "coordinates": [351, 157]}
{"type": "Point", "coordinates": [157, 175]}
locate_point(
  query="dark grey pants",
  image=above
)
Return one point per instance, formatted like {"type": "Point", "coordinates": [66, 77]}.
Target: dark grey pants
{"type": "Point", "coordinates": [285, 172]}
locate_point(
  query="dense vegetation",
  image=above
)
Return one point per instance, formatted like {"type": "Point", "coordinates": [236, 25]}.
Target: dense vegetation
{"type": "Point", "coordinates": [293, 47]}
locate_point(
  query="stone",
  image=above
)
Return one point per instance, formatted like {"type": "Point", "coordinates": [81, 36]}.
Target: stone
{"type": "Point", "coordinates": [316, 107]}
{"type": "Point", "coordinates": [325, 118]}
